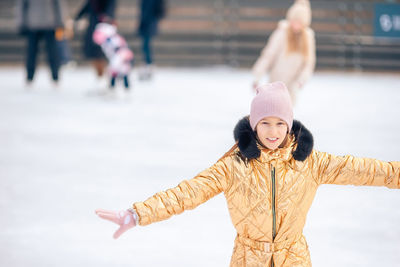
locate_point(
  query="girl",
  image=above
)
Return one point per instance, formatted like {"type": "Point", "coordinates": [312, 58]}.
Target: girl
{"type": "Point", "coordinates": [289, 55]}
{"type": "Point", "coordinates": [269, 178]}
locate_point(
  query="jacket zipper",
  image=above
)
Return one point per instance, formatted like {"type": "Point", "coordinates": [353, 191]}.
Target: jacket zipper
{"type": "Point", "coordinates": [273, 209]}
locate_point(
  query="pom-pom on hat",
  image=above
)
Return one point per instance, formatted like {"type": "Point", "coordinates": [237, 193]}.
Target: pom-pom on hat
{"type": "Point", "coordinates": [272, 100]}
{"type": "Point", "coordinates": [300, 11]}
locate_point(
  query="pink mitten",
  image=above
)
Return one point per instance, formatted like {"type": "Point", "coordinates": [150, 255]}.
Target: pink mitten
{"type": "Point", "coordinates": [126, 219]}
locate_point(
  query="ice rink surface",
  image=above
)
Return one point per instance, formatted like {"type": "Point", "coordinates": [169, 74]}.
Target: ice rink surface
{"type": "Point", "coordinates": [64, 153]}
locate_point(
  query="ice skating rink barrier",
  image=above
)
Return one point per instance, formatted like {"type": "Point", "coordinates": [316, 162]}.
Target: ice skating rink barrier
{"type": "Point", "coordinates": [233, 32]}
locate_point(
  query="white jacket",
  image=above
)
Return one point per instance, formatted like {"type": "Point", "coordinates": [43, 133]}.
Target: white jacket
{"type": "Point", "coordinates": [291, 68]}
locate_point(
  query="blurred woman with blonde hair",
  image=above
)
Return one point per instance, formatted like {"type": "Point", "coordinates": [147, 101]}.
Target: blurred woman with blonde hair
{"type": "Point", "coordinates": [289, 55]}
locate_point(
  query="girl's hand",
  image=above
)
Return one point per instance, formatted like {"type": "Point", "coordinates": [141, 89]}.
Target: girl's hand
{"type": "Point", "coordinates": [124, 218]}
{"type": "Point", "coordinates": [254, 86]}
{"type": "Point", "coordinates": [69, 29]}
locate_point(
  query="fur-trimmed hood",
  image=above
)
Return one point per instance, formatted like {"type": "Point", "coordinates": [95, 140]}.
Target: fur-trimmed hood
{"type": "Point", "coordinates": [247, 140]}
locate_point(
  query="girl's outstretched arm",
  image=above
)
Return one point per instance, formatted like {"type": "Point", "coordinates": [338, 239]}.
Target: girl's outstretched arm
{"type": "Point", "coordinates": [349, 170]}
{"type": "Point", "coordinates": [187, 195]}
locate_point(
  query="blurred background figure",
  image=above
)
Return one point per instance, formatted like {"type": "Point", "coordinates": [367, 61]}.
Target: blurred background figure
{"type": "Point", "coordinates": [151, 11]}
{"type": "Point", "coordinates": [97, 11]}
{"type": "Point", "coordinates": [120, 57]}
{"type": "Point", "coordinates": [289, 55]}
{"type": "Point", "coordinates": [36, 20]}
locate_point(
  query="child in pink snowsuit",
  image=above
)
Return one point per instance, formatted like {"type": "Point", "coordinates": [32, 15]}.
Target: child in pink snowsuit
{"type": "Point", "coordinates": [119, 56]}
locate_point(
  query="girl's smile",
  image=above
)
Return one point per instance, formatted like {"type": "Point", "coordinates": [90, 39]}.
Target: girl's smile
{"type": "Point", "coordinates": [271, 132]}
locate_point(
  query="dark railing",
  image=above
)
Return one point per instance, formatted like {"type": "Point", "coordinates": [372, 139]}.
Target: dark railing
{"type": "Point", "coordinates": [233, 32]}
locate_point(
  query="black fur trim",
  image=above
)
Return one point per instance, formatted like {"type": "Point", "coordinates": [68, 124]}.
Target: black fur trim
{"type": "Point", "coordinates": [247, 140]}
{"type": "Point", "coordinates": [304, 139]}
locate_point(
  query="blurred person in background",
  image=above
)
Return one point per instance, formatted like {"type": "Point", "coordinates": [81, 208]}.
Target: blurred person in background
{"type": "Point", "coordinates": [36, 20]}
{"type": "Point", "coordinates": [151, 11]}
{"type": "Point", "coordinates": [289, 55]}
{"type": "Point", "coordinates": [97, 11]}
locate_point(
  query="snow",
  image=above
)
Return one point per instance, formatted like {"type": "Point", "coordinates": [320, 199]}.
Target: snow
{"type": "Point", "coordinates": [64, 153]}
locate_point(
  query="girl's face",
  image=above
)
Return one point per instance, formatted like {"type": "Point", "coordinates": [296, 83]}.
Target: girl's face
{"type": "Point", "coordinates": [271, 132]}
{"type": "Point", "coordinates": [296, 26]}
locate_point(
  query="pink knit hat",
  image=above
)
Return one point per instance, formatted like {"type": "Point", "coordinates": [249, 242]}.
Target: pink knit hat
{"type": "Point", "coordinates": [272, 100]}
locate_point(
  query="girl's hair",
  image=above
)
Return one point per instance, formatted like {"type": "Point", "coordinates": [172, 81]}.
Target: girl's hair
{"type": "Point", "coordinates": [297, 42]}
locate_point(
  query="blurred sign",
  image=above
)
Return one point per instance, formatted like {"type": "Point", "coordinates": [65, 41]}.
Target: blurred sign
{"type": "Point", "coordinates": [387, 20]}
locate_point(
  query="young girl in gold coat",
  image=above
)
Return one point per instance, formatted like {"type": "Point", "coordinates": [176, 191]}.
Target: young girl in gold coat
{"type": "Point", "coordinates": [269, 179]}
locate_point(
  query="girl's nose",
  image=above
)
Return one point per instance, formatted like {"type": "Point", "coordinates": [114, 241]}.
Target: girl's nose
{"type": "Point", "coordinates": [273, 131]}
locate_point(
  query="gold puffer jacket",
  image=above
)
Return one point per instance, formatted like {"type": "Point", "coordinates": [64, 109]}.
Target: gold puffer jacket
{"type": "Point", "coordinates": [268, 193]}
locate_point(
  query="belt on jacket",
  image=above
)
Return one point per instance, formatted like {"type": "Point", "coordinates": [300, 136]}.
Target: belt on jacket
{"type": "Point", "coordinates": [267, 246]}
